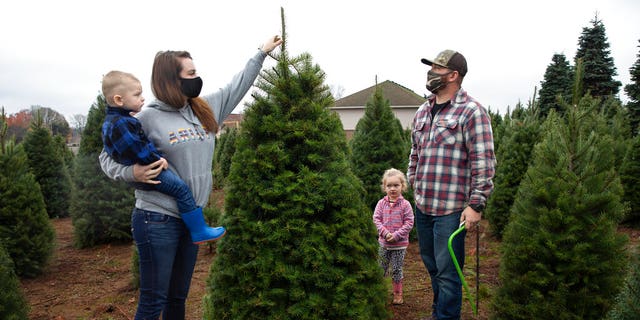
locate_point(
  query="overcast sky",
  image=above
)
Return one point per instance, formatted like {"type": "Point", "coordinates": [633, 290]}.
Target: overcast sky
{"type": "Point", "coordinates": [54, 53]}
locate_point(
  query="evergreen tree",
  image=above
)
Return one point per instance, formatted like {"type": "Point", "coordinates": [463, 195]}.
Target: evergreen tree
{"type": "Point", "coordinates": [227, 152]}
{"type": "Point", "coordinates": [599, 68]}
{"type": "Point", "coordinates": [60, 145]}
{"type": "Point", "coordinates": [100, 207]}
{"type": "Point", "coordinates": [519, 111]}
{"type": "Point", "coordinates": [627, 306]}
{"type": "Point", "coordinates": [47, 165]}
{"type": "Point", "coordinates": [561, 257]}
{"type": "Point", "coordinates": [497, 125]}
{"type": "Point", "coordinates": [13, 305]}
{"type": "Point", "coordinates": [633, 92]}
{"type": "Point", "coordinates": [630, 178]}
{"type": "Point", "coordinates": [216, 167]}
{"type": "Point", "coordinates": [25, 229]}
{"type": "Point", "coordinates": [514, 158]}
{"type": "Point", "coordinates": [300, 243]}
{"type": "Point", "coordinates": [376, 146]}
{"type": "Point", "coordinates": [225, 148]}
{"type": "Point", "coordinates": [578, 78]}
{"type": "Point", "coordinates": [92, 141]}
{"type": "Point", "coordinates": [557, 82]}
{"type": "Point", "coordinates": [616, 125]}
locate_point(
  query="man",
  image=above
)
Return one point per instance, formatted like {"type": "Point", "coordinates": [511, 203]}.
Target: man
{"type": "Point", "coordinates": [451, 167]}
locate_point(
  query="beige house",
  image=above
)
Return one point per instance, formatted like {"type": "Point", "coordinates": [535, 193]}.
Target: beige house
{"type": "Point", "coordinates": [403, 101]}
{"type": "Point", "coordinates": [232, 121]}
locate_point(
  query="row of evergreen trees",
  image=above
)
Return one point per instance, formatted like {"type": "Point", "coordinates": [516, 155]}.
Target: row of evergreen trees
{"type": "Point", "coordinates": [299, 199]}
{"type": "Point", "coordinates": [561, 178]}
{"type": "Point", "coordinates": [34, 185]}
{"type": "Point", "coordinates": [566, 178]}
{"type": "Point", "coordinates": [40, 179]}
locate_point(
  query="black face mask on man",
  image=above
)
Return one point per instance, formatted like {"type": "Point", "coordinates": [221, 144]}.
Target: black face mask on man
{"type": "Point", "coordinates": [435, 82]}
{"type": "Point", "coordinates": [191, 87]}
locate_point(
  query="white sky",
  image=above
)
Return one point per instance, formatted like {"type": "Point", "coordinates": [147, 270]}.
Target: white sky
{"type": "Point", "coordinates": [54, 53]}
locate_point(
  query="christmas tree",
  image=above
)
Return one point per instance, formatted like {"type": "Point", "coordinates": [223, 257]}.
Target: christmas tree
{"type": "Point", "coordinates": [300, 242]}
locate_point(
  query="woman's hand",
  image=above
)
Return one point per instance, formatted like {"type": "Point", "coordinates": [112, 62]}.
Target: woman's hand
{"type": "Point", "coordinates": [271, 44]}
{"type": "Point", "coordinates": [146, 173]}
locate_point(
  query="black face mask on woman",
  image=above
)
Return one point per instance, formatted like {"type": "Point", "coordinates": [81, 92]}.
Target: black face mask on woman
{"type": "Point", "coordinates": [435, 82]}
{"type": "Point", "coordinates": [191, 87]}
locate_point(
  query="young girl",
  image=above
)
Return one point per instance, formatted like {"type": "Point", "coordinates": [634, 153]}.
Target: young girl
{"type": "Point", "coordinates": [393, 217]}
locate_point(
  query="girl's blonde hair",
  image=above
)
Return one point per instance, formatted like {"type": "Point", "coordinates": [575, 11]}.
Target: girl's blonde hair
{"type": "Point", "coordinates": [394, 173]}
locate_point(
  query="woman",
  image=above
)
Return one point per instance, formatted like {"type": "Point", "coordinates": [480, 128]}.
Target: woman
{"type": "Point", "coordinates": [182, 126]}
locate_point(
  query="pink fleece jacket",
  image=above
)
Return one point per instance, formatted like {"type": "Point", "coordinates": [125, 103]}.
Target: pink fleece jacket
{"type": "Point", "coordinates": [395, 218]}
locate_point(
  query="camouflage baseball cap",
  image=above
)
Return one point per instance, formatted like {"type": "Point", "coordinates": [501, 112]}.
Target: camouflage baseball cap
{"type": "Point", "coordinates": [451, 60]}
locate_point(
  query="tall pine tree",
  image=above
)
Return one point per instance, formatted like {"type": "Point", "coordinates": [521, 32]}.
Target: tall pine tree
{"type": "Point", "coordinates": [633, 92]}
{"type": "Point", "coordinates": [599, 68]}
{"type": "Point", "coordinates": [557, 83]}
{"type": "Point", "coordinates": [300, 241]}
{"type": "Point", "coordinates": [47, 165]}
{"type": "Point", "coordinates": [100, 207]}
{"type": "Point", "coordinates": [561, 257]}
{"type": "Point", "coordinates": [377, 145]}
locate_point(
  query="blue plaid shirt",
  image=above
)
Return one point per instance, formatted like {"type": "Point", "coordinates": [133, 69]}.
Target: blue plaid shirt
{"type": "Point", "coordinates": [125, 141]}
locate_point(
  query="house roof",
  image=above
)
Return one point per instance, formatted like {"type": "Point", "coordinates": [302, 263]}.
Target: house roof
{"type": "Point", "coordinates": [395, 93]}
{"type": "Point", "coordinates": [232, 121]}
{"type": "Point", "coordinates": [234, 117]}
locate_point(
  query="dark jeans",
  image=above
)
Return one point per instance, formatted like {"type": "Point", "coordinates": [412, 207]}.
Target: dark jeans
{"type": "Point", "coordinates": [167, 259]}
{"type": "Point", "coordinates": [433, 237]}
{"type": "Point", "coordinates": [171, 185]}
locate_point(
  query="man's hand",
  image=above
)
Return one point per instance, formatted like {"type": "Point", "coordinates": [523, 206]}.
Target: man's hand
{"type": "Point", "coordinates": [470, 217]}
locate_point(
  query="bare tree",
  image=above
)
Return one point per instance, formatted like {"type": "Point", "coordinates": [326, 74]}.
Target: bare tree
{"type": "Point", "coordinates": [79, 121]}
{"type": "Point", "coordinates": [337, 91]}
{"type": "Point", "coordinates": [52, 120]}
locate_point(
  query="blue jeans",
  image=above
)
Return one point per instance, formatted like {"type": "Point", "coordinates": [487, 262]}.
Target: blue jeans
{"type": "Point", "coordinates": [171, 185]}
{"type": "Point", "coordinates": [433, 238]}
{"type": "Point", "coordinates": [167, 259]}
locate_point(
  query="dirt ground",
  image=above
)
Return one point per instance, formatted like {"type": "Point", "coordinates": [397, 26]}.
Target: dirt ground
{"type": "Point", "coordinates": [95, 283]}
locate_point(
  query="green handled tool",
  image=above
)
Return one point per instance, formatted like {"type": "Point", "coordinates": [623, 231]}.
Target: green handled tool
{"type": "Point", "coordinates": [455, 262]}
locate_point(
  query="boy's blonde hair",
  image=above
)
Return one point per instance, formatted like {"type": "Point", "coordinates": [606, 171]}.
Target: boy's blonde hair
{"type": "Point", "coordinates": [394, 173]}
{"type": "Point", "coordinates": [116, 82]}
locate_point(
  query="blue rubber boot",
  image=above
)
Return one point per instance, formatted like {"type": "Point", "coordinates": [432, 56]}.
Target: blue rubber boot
{"type": "Point", "coordinates": [200, 231]}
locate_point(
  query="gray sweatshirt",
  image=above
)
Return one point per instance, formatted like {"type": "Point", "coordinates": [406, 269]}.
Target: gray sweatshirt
{"type": "Point", "coordinates": [179, 136]}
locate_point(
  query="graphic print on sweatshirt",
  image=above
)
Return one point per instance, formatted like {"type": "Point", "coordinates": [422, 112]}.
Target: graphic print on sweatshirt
{"type": "Point", "coordinates": [184, 135]}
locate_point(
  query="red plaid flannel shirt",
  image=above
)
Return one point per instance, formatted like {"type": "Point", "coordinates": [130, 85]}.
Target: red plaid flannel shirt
{"type": "Point", "coordinates": [452, 161]}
